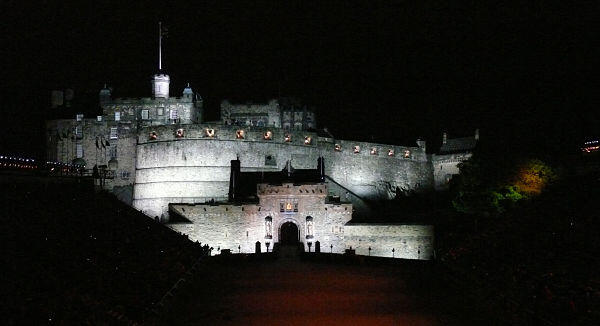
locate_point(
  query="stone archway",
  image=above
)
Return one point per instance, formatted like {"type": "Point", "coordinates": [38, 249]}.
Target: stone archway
{"type": "Point", "coordinates": [289, 233]}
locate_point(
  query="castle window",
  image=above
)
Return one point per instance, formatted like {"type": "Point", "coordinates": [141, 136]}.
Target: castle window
{"type": "Point", "coordinates": [117, 116]}
{"type": "Point", "coordinates": [173, 114]}
{"type": "Point", "coordinates": [79, 150]}
{"type": "Point", "coordinates": [239, 134]}
{"type": "Point", "coordinates": [288, 138]}
{"type": "Point", "coordinates": [295, 207]}
{"type": "Point", "coordinates": [390, 152]}
{"type": "Point", "coordinates": [145, 114]}
{"type": "Point", "coordinates": [268, 135]}
{"type": "Point", "coordinates": [270, 160]}
{"type": "Point", "coordinates": [337, 147]}
{"type": "Point", "coordinates": [179, 133]}
{"type": "Point", "coordinates": [374, 151]}
{"type": "Point", "coordinates": [79, 117]}
{"type": "Point", "coordinates": [307, 140]}
{"type": "Point", "coordinates": [99, 118]}
{"type": "Point", "coordinates": [78, 131]}
{"type": "Point", "coordinates": [288, 207]}
{"type": "Point", "coordinates": [281, 207]}
{"type": "Point", "coordinates": [356, 149]}
{"type": "Point", "coordinates": [407, 154]}
{"type": "Point", "coordinates": [160, 111]}
{"type": "Point", "coordinates": [268, 227]}
{"type": "Point", "coordinates": [153, 135]}
{"type": "Point", "coordinates": [113, 133]}
{"type": "Point", "coordinates": [113, 152]}
{"type": "Point", "coordinates": [309, 227]}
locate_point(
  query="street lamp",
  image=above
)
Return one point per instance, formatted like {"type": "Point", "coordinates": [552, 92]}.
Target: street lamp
{"type": "Point", "coordinates": [330, 248]}
{"type": "Point", "coordinates": [267, 244]}
{"type": "Point", "coordinates": [309, 245]}
{"type": "Point", "coordinates": [369, 251]}
{"type": "Point", "coordinates": [393, 251]}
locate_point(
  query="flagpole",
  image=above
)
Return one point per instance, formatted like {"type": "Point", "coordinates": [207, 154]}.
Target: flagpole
{"type": "Point", "coordinates": [159, 46]}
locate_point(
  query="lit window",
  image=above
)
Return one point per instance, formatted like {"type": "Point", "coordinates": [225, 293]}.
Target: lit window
{"type": "Point", "coordinates": [268, 135]}
{"type": "Point", "coordinates": [307, 140]}
{"type": "Point", "coordinates": [356, 149]}
{"type": "Point", "coordinates": [374, 151]}
{"type": "Point", "coordinates": [145, 114]}
{"type": "Point", "coordinates": [179, 133]}
{"type": "Point", "coordinates": [239, 134]}
{"type": "Point", "coordinates": [406, 153]}
{"type": "Point", "coordinates": [209, 132]}
{"type": "Point", "coordinates": [79, 150]}
{"type": "Point", "coordinates": [117, 116]}
{"type": "Point", "coordinates": [173, 114]}
{"type": "Point", "coordinates": [337, 147]}
{"type": "Point", "coordinates": [113, 133]}
{"type": "Point", "coordinates": [78, 131]}
{"type": "Point", "coordinates": [99, 118]}
{"type": "Point", "coordinates": [160, 111]}
{"type": "Point", "coordinates": [288, 207]}
{"type": "Point", "coordinates": [153, 135]}
{"type": "Point", "coordinates": [288, 138]}
{"type": "Point", "coordinates": [79, 117]}
{"type": "Point", "coordinates": [390, 152]}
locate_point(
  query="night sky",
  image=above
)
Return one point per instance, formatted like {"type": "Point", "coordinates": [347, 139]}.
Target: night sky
{"type": "Point", "coordinates": [525, 74]}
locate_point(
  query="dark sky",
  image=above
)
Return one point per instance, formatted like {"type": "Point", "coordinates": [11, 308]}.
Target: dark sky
{"type": "Point", "coordinates": [525, 74]}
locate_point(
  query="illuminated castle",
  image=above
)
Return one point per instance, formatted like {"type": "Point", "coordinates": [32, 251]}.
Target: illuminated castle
{"type": "Point", "coordinates": [165, 160]}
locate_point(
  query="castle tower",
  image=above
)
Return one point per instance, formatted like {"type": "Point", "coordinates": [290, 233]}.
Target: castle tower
{"type": "Point", "coordinates": [160, 86]}
{"type": "Point", "coordinates": [187, 92]}
{"type": "Point", "coordinates": [105, 95]}
{"type": "Point", "coordinates": [160, 82]}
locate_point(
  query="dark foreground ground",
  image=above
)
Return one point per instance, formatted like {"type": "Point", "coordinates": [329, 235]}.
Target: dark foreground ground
{"type": "Point", "coordinates": [246, 290]}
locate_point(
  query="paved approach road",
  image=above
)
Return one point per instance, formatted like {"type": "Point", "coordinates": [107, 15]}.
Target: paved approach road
{"type": "Point", "coordinates": [298, 292]}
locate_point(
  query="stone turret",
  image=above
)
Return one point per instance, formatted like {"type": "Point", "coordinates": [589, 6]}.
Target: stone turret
{"type": "Point", "coordinates": [160, 86]}
{"type": "Point", "coordinates": [188, 93]}
{"type": "Point", "coordinates": [105, 95]}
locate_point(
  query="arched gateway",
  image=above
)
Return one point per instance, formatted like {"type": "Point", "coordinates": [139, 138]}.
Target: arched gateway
{"type": "Point", "coordinates": [289, 233]}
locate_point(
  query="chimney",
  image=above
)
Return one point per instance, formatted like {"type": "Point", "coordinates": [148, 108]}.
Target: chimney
{"type": "Point", "coordinates": [444, 137]}
{"type": "Point", "coordinates": [477, 134]}
{"type": "Point", "coordinates": [234, 178]}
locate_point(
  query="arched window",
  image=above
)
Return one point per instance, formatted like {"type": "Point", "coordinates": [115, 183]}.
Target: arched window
{"type": "Point", "coordinates": [268, 227]}
{"type": "Point", "coordinates": [309, 227]}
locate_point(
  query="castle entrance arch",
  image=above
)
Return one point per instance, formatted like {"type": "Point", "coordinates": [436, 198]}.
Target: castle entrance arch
{"type": "Point", "coordinates": [289, 233]}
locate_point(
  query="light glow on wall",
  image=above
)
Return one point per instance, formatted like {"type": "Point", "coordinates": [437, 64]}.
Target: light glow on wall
{"type": "Point", "coordinates": [268, 135]}
{"type": "Point", "coordinates": [239, 134]}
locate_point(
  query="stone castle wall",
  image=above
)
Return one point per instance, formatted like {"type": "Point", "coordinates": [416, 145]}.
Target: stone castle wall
{"type": "Point", "coordinates": [408, 241]}
{"type": "Point", "coordinates": [64, 149]}
{"type": "Point", "coordinates": [195, 168]}
{"type": "Point", "coordinates": [229, 226]}
{"type": "Point", "coordinates": [446, 166]}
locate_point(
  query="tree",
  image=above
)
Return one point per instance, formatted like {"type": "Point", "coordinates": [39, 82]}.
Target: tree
{"type": "Point", "coordinates": [488, 186]}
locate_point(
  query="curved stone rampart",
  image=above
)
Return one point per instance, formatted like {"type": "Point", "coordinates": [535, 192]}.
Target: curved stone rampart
{"type": "Point", "coordinates": [195, 168]}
